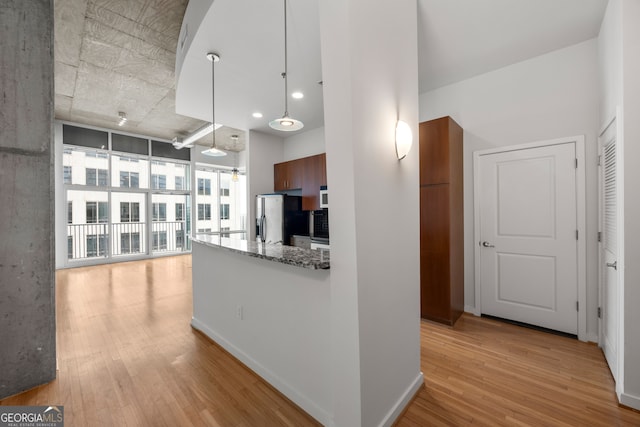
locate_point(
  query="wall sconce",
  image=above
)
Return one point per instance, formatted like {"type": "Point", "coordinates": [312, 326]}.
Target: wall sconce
{"type": "Point", "coordinates": [404, 139]}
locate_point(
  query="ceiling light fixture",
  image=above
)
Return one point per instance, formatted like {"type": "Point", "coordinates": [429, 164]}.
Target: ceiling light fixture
{"type": "Point", "coordinates": [123, 118]}
{"type": "Point", "coordinates": [286, 123]}
{"type": "Point", "coordinates": [188, 140]}
{"type": "Point", "coordinates": [297, 95]}
{"type": "Point", "coordinates": [213, 151]}
{"type": "Point", "coordinates": [257, 115]}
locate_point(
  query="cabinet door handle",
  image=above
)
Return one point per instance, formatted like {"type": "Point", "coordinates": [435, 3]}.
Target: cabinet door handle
{"type": "Point", "coordinates": [613, 265]}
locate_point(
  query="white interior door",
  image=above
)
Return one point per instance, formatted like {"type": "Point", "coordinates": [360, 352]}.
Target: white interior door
{"type": "Point", "coordinates": [528, 235]}
{"type": "Point", "coordinates": [609, 251]}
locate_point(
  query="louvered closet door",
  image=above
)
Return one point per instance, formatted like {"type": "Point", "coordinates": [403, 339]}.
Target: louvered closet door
{"type": "Point", "coordinates": [609, 247]}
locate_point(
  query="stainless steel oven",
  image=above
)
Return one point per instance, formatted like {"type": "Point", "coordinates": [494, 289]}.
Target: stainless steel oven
{"type": "Point", "coordinates": [319, 228]}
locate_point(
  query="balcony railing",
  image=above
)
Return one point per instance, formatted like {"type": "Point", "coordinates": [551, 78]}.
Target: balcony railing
{"type": "Point", "coordinates": [125, 238]}
{"type": "Point", "coordinates": [169, 236]}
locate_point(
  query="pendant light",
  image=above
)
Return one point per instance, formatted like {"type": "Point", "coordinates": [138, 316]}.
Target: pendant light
{"type": "Point", "coordinates": [213, 151]}
{"type": "Point", "coordinates": [286, 123]}
{"type": "Point", "coordinates": [234, 171]}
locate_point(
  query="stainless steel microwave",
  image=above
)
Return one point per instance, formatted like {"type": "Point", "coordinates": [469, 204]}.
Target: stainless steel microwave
{"type": "Point", "coordinates": [324, 197]}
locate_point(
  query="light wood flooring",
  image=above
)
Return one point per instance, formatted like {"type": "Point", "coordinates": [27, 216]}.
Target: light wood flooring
{"type": "Point", "coordinates": [128, 356]}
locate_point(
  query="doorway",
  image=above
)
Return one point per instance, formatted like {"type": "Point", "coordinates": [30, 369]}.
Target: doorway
{"type": "Point", "coordinates": [529, 218]}
{"type": "Point", "coordinates": [609, 252]}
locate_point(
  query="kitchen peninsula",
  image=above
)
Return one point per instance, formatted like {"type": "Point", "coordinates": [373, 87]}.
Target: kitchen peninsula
{"type": "Point", "coordinates": [269, 306]}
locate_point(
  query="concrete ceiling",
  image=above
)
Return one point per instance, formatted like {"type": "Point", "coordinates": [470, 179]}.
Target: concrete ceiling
{"type": "Point", "coordinates": [119, 55]}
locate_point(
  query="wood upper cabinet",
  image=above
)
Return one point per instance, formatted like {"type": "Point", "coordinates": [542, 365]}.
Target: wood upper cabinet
{"type": "Point", "coordinates": [307, 174]}
{"type": "Point", "coordinates": [441, 221]}
{"type": "Point", "coordinates": [438, 157]}
{"type": "Point", "coordinates": [287, 176]}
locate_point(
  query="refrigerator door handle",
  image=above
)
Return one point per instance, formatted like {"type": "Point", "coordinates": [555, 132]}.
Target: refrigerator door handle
{"type": "Point", "coordinates": [264, 228]}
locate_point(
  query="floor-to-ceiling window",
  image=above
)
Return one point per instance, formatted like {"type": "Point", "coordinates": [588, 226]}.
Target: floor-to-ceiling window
{"type": "Point", "coordinates": [126, 196]}
{"type": "Point", "coordinates": [221, 202]}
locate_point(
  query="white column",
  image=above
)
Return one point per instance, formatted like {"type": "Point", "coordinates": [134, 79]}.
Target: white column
{"type": "Point", "coordinates": [370, 74]}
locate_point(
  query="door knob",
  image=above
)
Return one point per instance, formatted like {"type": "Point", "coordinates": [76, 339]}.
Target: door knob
{"type": "Point", "coordinates": [613, 265]}
{"type": "Point", "coordinates": [487, 245]}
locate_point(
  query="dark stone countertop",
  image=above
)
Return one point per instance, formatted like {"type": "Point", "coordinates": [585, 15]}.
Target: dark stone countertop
{"type": "Point", "coordinates": [291, 255]}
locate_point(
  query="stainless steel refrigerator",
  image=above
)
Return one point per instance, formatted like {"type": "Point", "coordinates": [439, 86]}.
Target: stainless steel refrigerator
{"type": "Point", "coordinates": [278, 217]}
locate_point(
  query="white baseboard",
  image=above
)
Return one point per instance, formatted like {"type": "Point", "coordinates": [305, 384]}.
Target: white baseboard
{"type": "Point", "coordinates": [298, 398]}
{"type": "Point", "coordinates": [471, 309]}
{"type": "Point", "coordinates": [630, 401]}
{"type": "Point", "coordinates": [404, 400]}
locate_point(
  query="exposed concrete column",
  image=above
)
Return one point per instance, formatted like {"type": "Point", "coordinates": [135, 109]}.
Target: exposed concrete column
{"type": "Point", "coordinates": [27, 284]}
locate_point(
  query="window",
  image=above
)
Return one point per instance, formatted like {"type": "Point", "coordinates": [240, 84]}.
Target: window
{"type": "Point", "coordinates": [179, 239]}
{"type": "Point", "coordinates": [129, 212]}
{"type": "Point", "coordinates": [159, 211]}
{"type": "Point", "coordinates": [225, 234]}
{"type": "Point", "coordinates": [70, 247]}
{"type": "Point", "coordinates": [204, 186]}
{"type": "Point", "coordinates": [129, 179]}
{"type": "Point", "coordinates": [204, 230]}
{"type": "Point", "coordinates": [159, 182]}
{"type": "Point", "coordinates": [96, 155]}
{"type": "Point", "coordinates": [129, 243]}
{"type": "Point", "coordinates": [97, 177]}
{"type": "Point", "coordinates": [159, 240]}
{"type": "Point", "coordinates": [180, 183]}
{"type": "Point", "coordinates": [179, 211]}
{"type": "Point", "coordinates": [96, 245]}
{"type": "Point", "coordinates": [69, 212]}
{"type": "Point", "coordinates": [66, 178]}
{"type": "Point", "coordinates": [224, 192]}
{"type": "Point", "coordinates": [204, 212]}
{"type": "Point", "coordinates": [224, 211]}
{"type": "Point", "coordinates": [96, 212]}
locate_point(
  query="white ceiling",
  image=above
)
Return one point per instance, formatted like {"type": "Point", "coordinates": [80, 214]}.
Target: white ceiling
{"type": "Point", "coordinates": [249, 37]}
{"type": "Point", "coordinates": [113, 55]}
{"type": "Point", "coordinates": [458, 39]}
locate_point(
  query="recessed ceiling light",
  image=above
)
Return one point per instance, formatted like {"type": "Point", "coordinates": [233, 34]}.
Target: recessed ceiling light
{"type": "Point", "coordinates": [257, 115]}
{"type": "Point", "coordinates": [297, 95]}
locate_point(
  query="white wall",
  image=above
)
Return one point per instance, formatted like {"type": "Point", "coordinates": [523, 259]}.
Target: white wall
{"type": "Point", "coordinates": [547, 97]}
{"type": "Point", "coordinates": [304, 144]}
{"type": "Point", "coordinates": [60, 225]}
{"type": "Point", "coordinates": [284, 331]}
{"type": "Point", "coordinates": [630, 265]}
{"type": "Point", "coordinates": [611, 99]}
{"type": "Point", "coordinates": [263, 151]}
{"type": "Point", "coordinates": [375, 270]}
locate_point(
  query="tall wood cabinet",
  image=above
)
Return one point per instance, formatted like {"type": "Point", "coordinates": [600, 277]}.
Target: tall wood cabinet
{"type": "Point", "coordinates": [441, 221]}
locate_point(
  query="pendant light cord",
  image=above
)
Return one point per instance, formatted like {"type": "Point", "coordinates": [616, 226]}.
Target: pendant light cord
{"type": "Point", "coordinates": [213, 101]}
{"type": "Point", "coordinates": [286, 85]}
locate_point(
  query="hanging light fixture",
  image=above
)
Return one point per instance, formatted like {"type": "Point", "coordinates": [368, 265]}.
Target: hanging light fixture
{"type": "Point", "coordinates": [234, 171]}
{"type": "Point", "coordinates": [213, 151]}
{"type": "Point", "coordinates": [286, 123]}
